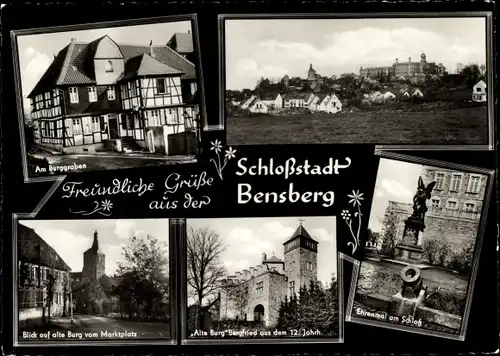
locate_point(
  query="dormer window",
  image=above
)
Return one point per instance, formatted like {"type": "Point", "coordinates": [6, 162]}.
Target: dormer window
{"type": "Point", "coordinates": [161, 86]}
{"type": "Point", "coordinates": [109, 67]}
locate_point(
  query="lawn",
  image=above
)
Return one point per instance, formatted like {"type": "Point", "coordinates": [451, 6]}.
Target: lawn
{"type": "Point", "coordinates": [448, 127]}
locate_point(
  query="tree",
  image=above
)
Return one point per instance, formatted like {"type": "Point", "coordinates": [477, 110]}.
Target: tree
{"type": "Point", "coordinates": [471, 74]}
{"type": "Point", "coordinates": [314, 308]}
{"type": "Point", "coordinates": [389, 235]}
{"type": "Point", "coordinates": [372, 237]}
{"type": "Point", "coordinates": [144, 274]}
{"type": "Point", "coordinates": [204, 269]}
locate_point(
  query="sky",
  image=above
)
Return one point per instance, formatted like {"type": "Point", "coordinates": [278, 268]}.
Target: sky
{"type": "Point", "coordinates": [246, 239]}
{"type": "Point", "coordinates": [36, 52]}
{"type": "Point", "coordinates": [272, 48]}
{"type": "Point", "coordinates": [71, 238]}
{"type": "Point", "coordinates": [396, 181]}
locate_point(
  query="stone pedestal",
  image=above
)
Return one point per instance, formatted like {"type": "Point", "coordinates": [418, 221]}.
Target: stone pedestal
{"type": "Point", "coordinates": [409, 249]}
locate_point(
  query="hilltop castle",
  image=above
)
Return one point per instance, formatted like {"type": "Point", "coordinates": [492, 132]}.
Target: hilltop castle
{"type": "Point", "coordinates": [413, 71]}
{"type": "Point", "coordinates": [256, 293]}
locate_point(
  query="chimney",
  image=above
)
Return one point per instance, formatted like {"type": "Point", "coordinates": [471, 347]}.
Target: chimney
{"type": "Point", "coordinates": [397, 60]}
{"type": "Point", "coordinates": [151, 52]}
{"type": "Point", "coordinates": [189, 31]}
{"type": "Point", "coordinates": [409, 59]}
{"type": "Point", "coordinates": [264, 257]}
{"type": "Point", "coordinates": [73, 39]}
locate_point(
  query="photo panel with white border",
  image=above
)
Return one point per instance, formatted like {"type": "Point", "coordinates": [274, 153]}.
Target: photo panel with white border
{"type": "Point", "coordinates": [405, 80]}
{"type": "Point", "coordinates": [422, 247]}
{"type": "Point", "coordinates": [110, 95]}
{"type": "Point", "coordinates": [261, 280]}
{"type": "Point", "coordinates": [93, 282]}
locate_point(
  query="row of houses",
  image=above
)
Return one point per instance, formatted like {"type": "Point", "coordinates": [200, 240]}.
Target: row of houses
{"type": "Point", "coordinates": [322, 102]}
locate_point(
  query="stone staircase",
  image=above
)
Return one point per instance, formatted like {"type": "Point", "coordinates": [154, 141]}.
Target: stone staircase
{"type": "Point", "coordinates": [129, 145]}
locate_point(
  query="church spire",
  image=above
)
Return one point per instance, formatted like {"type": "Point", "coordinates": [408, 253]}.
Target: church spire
{"type": "Point", "coordinates": [95, 244]}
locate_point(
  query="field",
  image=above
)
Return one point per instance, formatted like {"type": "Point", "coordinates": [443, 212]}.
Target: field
{"type": "Point", "coordinates": [465, 126]}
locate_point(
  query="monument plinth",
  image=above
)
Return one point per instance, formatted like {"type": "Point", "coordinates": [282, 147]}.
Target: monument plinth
{"type": "Point", "coordinates": [409, 249]}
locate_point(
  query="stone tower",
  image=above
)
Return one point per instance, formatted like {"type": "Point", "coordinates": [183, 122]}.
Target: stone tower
{"type": "Point", "coordinates": [311, 73]}
{"type": "Point", "coordinates": [301, 260]}
{"type": "Point", "coordinates": [94, 261]}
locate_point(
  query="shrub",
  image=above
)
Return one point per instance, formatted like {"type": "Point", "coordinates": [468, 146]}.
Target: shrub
{"type": "Point", "coordinates": [446, 302]}
{"type": "Point", "coordinates": [462, 260]}
{"type": "Point", "coordinates": [437, 252]}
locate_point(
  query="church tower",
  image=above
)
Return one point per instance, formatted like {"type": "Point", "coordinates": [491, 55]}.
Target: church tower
{"type": "Point", "coordinates": [301, 260]}
{"type": "Point", "coordinates": [93, 261]}
{"type": "Point", "coordinates": [311, 73]}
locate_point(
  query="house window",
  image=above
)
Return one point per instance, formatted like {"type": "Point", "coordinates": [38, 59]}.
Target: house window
{"type": "Point", "coordinates": [478, 89]}
{"type": "Point", "coordinates": [435, 203]}
{"type": "Point", "coordinates": [109, 67]}
{"type": "Point", "coordinates": [77, 127]}
{"type": "Point", "coordinates": [439, 181]}
{"type": "Point", "coordinates": [87, 125]}
{"type": "Point", "coordinates": [456, 181]}
{"type": "Point", "coordinates": [194, 87]}
{"type": "Point", "coordinates": [92, 94]}
{"type": "Point", "coordinates": [155, 118]}
{"type": "Point", "coordinates": [161, 86]}
{"type": "Point", "coordinates": [111, 93]}
{"type": "Point", "coordinates": [96, 124]}
{"type": "Point", "coordinates": [292, 287]}
{"type": "Point", "coordinates": [470, 206]}
{"type": "Point", "coordinates": [133, 89]}
{"type": "Point", "coordinates": [474, 184]}
{"type": "Point", "coordinates": [73, 95]}
{"type": "Point", "coordinates": [451, 204]}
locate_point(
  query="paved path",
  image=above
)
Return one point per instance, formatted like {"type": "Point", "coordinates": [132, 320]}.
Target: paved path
{"type": "Point", "coordinates": [91, 323]}
{"type": "Point", "coordinates": [92, 327]}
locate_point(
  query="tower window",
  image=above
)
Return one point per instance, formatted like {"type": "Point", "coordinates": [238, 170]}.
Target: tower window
{"type": "Point", "coordinates": [260, 289]}
{"type": "Point", "coordinates": [292, 287]}
{"type": "Point", "coordinates": [109, 67]}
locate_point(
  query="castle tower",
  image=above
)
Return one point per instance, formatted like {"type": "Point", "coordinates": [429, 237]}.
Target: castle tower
{"type": "Point", "coordinates": [94, 261]}
{"type": "Point", "coordinates": [301, 260]}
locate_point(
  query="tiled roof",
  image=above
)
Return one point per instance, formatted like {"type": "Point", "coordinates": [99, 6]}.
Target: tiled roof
{"type": "Point", "coordinates": [33, 249]}
{"type": "Point", "coordinates": [183, 42]}
{"type": "Point", "coordinates": [273, 259]}
{"type": "Point", "coordinates": [74, 64]}
{"type": "Point", "coordinates": [144, 65]}
{"type": "Point", "coordinates": [290, 96]}
{"type": "Point", "coordinates": [301, 231]}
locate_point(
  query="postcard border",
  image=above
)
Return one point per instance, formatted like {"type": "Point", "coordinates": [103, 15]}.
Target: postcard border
{"type": "Point", "coordinates": [173, 266]}
{"type": "Point", "coordinates": [243, 341]}
{"type": "Point", "coordinates": [490, 174]}
{"type": "Point", "coordinates": [490, 66]}
{"type": "Point", "coordinates": [14, 34]}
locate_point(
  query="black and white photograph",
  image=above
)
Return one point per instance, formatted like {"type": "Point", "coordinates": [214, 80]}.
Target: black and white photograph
{"type": "Point", "coordinates": [417, 272]}
{"type": "Point", "coordinates": [93, 280]}
{"type": "Point", "coordinates": [386, 81]}
{"type": "Point", "coordinates": [251, 279]}
{"type": "Point", "coordinates": [112, 97]}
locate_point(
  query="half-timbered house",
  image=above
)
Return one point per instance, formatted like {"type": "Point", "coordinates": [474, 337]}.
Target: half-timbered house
{"type": "Point", "coordinates": [107, 96]}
